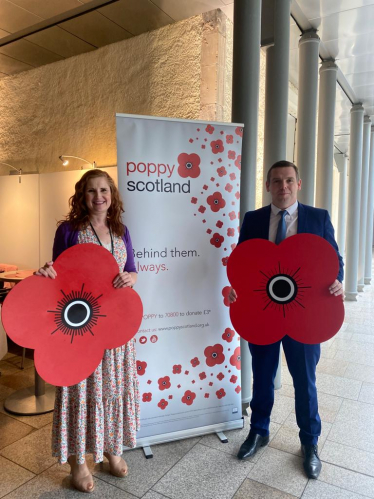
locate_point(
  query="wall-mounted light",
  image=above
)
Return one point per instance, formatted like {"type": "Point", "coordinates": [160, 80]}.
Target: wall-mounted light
{"type": "Point", "coordinates": [14, 168]}
{"type": "Point", "coordinates": [66, 162]}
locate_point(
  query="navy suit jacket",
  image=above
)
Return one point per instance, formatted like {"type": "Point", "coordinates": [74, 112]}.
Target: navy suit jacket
{"type": "Point", "coordinates": [310, 221]}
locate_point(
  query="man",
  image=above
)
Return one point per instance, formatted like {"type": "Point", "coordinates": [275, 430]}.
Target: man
{"type": "Point", "coordinates": [283, 218]}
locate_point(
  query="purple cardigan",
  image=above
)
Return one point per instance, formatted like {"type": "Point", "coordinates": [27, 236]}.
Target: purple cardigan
{"type": "Point", "coordinates": [66, 237]}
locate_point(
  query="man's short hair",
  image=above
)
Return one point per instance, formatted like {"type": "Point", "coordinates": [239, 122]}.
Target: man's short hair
{"type": "Point", "coordinates": [283, 164]}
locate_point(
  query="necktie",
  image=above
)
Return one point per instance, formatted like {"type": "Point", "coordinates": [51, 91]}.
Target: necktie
{"type": "Point", "coordinates": [282, 228]}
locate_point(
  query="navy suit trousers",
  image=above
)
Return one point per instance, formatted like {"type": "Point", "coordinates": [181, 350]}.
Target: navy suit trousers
{"type": "Point", "coordinates": [302, 360]}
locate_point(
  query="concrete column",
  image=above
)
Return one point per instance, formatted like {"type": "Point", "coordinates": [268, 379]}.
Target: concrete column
{"type": "Point", "coordinates": [364, 201]}
{"type": "Point", "coordinates": [245, 97]}
{"type": "Point", "coordinates": [307, 113]}
{"type": "Point", "coordinates": [370, 214]}
{"type": "Point", "coordinates": [276, 91]}
{"type": "Point", "coordinates": [341, 162]}
{"type": "Point", "coordinates": [354, 193]}
{"type": "Point", "coordinates": [325, 145]}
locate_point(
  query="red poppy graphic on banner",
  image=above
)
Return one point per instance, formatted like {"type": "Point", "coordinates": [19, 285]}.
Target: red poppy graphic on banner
{"type": "Point", "coordinates": [217, 240]}
{"type": "Point", "coordinates": [221, 171]}
{"type": "Point", "coordinates": [140, 367]}
{"type": "Point", "coordinates": [284, 290]}
{"type": "Point", "coordinates": [214, 355]}
{"type": "Point", "coordinates": [164, 383]}
{"type": "Point", "coordinates": [239, 131]}
{"type": "Point", "coordinates": [229, 139]}
{"type": "Point", "coordinates": [216, 201]}
{"type": "Point", "coordinates": [209, 129]}
{"type": "Point", "coordinates": [147, 397]}
{"type": "Point", "coordinates": [188, 397]}
{"type": "Point", "coordinates": [189, 165]}
{"type": "Point", "coordinates": [235, 359]}
{"type": "Point", "coordinates": [202, 375]}
{"type": "Point", "coordinates": [72, 319]}
{"type": "Point", "coordinates": [220, 393]}
{"type": "Point", "coordinates": [195, 362]}
{"type": "Point", "coordinates": [177, 369]}
{"type": "Point", "coordinates": [225, 294]}
{"type": "Point", "coordinates": [217, 146]}
{"type": "Point", "coordinates": [163, 404]}
{"type": "Point", "coordinates": [238, 161]}
{"type": "Point", "coordinates": [228, 335]}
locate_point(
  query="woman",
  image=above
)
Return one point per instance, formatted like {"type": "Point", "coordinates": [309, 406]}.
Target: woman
{"type": "Point", "coordinates": [100, 414]}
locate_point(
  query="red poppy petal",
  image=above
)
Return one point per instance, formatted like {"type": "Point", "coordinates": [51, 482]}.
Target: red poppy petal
{"type": "Point", "coordinates": [310, 315]}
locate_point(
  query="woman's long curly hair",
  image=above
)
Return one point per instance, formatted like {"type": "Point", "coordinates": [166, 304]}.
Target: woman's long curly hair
{"type": "Point", "coordinates": [78, 216]}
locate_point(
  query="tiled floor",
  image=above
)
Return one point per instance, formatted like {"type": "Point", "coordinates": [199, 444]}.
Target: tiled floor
{"type": "Point", "coordinates": [203, 467]}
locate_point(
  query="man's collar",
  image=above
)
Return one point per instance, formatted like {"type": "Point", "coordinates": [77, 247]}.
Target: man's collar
{"type": "Point", "coordinates": [291, 209]}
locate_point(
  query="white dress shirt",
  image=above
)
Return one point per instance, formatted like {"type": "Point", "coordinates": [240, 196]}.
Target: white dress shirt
{"type": "Point", "coordinates": [291, 221]}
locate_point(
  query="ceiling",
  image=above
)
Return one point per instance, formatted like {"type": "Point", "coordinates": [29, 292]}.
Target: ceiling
{"type": "Point", "coordinates": [345, 27]}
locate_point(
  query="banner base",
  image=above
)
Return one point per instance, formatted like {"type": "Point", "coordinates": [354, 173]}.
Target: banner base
{"type": "Point", "coordinates": [190, 433]}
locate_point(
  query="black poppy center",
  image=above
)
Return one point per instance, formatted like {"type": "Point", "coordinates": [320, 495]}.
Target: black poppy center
{"type": "Point", "coordinates": [281, 289]}
{"type": "Point", "coordinates": [189, 165]}
{"type": "Point", "coordinates": [216, 201]}
{"type": "Point", "coordinates": [214, 355]}
{"type": "Point", "coordinates": [77, 313]}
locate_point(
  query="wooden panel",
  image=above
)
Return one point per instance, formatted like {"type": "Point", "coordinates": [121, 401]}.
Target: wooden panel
{"type": "Point", "coordinates": [11, 66]}
{"type": "Point", "coordinates": [13, 18]}
{"type": "Point", "coordinates": [29, 53]}
{"type": "Point", "coordinates": [60, 42]}
{"type": "Point", "coordinates": [47, 8]}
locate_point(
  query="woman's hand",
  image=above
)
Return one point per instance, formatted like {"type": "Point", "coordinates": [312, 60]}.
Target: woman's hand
{"type": "Point", "coordinates": [125, 279]}
{"type": "Point", "coordinates": [47, 271]}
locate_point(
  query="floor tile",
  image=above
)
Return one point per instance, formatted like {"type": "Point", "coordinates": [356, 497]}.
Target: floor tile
{"type": "Point", "coordinates": [338, 386]}
{"type": "Point", "coordinates": [328, 406]}
{"type": "Point", "coordinates": [367, 393]}
{"type": "Point", "coordinates": [144, 473]}
{"type": "Point", "coordinates": [354, 426]}
{"type": "Point", "coordinates": [348, 457]}
{"type": "Point", "coordinates": [346, 479]}
{"type": "Point", "coordinates": [255, 490]}
{"type": "Point", "coordinates": [360, 372]}
{"type": "Point", "coordinates": [12, 476]}
{"type": "Point", "coordinates": [16, 361]}
{"type": "Point", "coordinates": [360, 329]}
{"type": "Point", "coordinates": [354, 346]}
{"type": "Point", "coordinates": [365, 358]}
{"type": "Point", "coordinates": [7, 368]}
{"type": "Point", "coordinates": [204, 473]}
{"type": "Point", "coordinates": [34, 421]}
{"type": "Point", "coordinates": [17, 381]}
{"type": "Point", "coordinates": [12, 430]}
{"type": "Point", "coordinates": [153, 495]}
{"type": "Point", "coordinates": [280, 470]}
{"type": "Point", "coordinates": [282, 408]}
{"type": "Point", "coordinates": [320, 490]}
{"type": "Point", "coordinates": [363, 338]}
{"type": "Point", "coordinates": [332, 366]}
{"type": "Point", "coordinates": [32, 452]}
{"type": "Point", "coordinates": [5, 391]}
{"type": "Point", "coordinates": [55, 483]}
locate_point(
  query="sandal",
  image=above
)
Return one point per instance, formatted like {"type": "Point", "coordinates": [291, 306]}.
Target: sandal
{"type": "Point", "coordinates": [118, 468]}
{"type": "Point", "coordinates": [83, 483]}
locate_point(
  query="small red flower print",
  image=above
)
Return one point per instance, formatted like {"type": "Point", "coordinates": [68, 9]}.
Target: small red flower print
{"type": "Point", "coordinates": [205, 187]}
{"type": "Point", "coordinates": [209, 231]}
{"type": "Point", "coordinates": [225, 260]}
{"type": "Point", "coordinates": [194, 200]}
{"type": "Point", "coordinates": [219, 160]}
{"type": "Point", "coordinates": [225, 294]}
{"type": "Point", "coordinates": [233, 246]}
{"type": "Point", "coordinates": [216, 201]}
{"type": "Point", "coordinates": [233, 379]}
{"type": "Point", "coordinates": [140, 367]}
{"type": "Point", "coordinates": [237, 195]}
{"type": "Point", "coordinates": [238, 389]}
{"type": "Point", "coordinates": [235, 358]}
{"type": "Point", "coordinates": [186, 372]}
{"type": "Point", "coordinates": [238, 161]}
{"type": "Point", "coordinates": [210, 384]}
{"type": "Point", "coordinates": [217, 240]}
{"type": "Point", "coordinates": [239, 131]}
{"type": "Point", "coordinates": [212, 178]}
{"type": "Point", "coordinates": [231, 232]}
{"type": "Point", "coordinates": [191, 140]}
{"type": "Point", "coordinates": [177, 369]}
{"type": "Point", "coordinates": [163, 404]}
{"type": "Point", "coordinates": [219, 224]}
{"type": "Point", "coordinates": [209, 129]}
{"type": "Point", "coordinates": [221, 393]}
{"type": "Point", "coordinates": [203, 146]}
{"type": "Point", "coordinates": [149, 382]}
{"type": "Point", "coordinates": [228, 335]}
{"type": "Point", "coordinates": [164, 383]}
{"type": "Point", "coordinates": [228, 187]}
{"type": "Point", "coordinates": [288, 293]}
{"type": "Point", "coordinates": [201, 209]}
{"type": "Point", "coordinates": [195, 362]}
{"type": "Point", "coordinates": [147, 397]}
{"type": "Point", "coordinates": [170, 397]}
{"type": "Point", "coordinates": [231, 154]}
{"type": "Point", "coordinates": [229, 139]}
{"type": "Point", "coordinates": [217, 146]}
{"type": "Point", "coordinates": [188, 397]}
{"type": "Point", "coordinates": [221, 171]}
{"type": "Point", "coordinates": [232, 176]}
{"type": "Point", "coordinates": [220, 376]}
{"type": "Point", "coordinates": [72, 314]}
{"type": "Point", "coordinates": [232, 215]}
{"type": "Point", "coordinates": [178, 386]}
{"type": "Point", "coordinates": [189, 165]}
{"type": "Point", "coordinates": [206, 395]}
{"type": "Point", "coordinates": [214, 355]}
{"type": "Point", "coordinates": [202, 375]}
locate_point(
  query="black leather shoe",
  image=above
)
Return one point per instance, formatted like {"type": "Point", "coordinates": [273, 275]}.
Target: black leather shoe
{"type": "Point", "coordinates": [251, 445]}
{"type": "Point", "coordinates": [312, 463]}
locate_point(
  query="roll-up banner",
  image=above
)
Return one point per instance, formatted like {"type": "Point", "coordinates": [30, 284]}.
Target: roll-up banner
{"type": "Point", "coordinates": [180, 183]}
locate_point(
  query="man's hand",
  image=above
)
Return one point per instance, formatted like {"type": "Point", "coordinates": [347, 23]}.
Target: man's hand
{"type": "Point", "coordinates": [336, 289]}
{"type": "Point", "coordinates": [232, 295]}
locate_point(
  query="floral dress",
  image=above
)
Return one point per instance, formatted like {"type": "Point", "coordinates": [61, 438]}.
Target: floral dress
{"type": "Point", "coordinates": [101, 413]}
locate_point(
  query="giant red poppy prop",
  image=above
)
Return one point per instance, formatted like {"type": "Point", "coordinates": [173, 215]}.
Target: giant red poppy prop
{"type": "Point", "coordinates": [72, 319]}
{"type": "Point", "coordinates": [284, 290]}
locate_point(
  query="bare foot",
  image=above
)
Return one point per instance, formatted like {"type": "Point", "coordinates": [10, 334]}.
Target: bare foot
{"type": "Point", "coordinates": [117, 465]}
{"type": "Point", "coordinates": [81, 477]}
